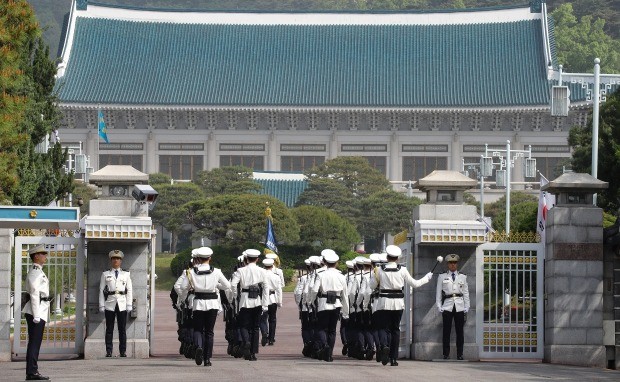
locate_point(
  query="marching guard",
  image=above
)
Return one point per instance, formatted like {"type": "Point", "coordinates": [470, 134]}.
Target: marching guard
{"type": "Point", "coordinates": [269, 319]}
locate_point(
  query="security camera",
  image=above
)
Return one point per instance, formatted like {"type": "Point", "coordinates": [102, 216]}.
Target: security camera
{"type": "Point", "coordinates": [144, 193]}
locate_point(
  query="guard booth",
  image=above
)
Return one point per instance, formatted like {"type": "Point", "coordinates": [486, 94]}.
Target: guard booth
{"type": "Point", "coordinates": [118, 219]}
{"type": "Point", "coordinates": [58, 229]}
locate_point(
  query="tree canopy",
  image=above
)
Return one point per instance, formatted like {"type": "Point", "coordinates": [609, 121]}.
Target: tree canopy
{"type": "Point", "coordinates": [324, 228]}
{"type": "Point", "coordinates": [227, 180]}
{"type": "Point", "coordinates": [580, 140]}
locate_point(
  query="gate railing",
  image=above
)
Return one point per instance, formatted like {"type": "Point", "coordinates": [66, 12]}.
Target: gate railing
{"type": "Point", "coordinates": [509, 300]}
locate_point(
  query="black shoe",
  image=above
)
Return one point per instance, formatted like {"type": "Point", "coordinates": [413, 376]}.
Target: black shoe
{"type": "Point", "coordinates": [385, 355]}
{"type": "Point", "coordinates": [253, 357]}
{"type": "Point", "coordinates": [237, 351]}
{"type": "Point", "coordinates": [271, 342]}
{"type": "Point", "coordinates": [393, 362]}
{"type": "Point", "coordinates": [108, 355]}
{"type": "Point", "coordinates": [123, 355]}
{"type": "Point", "coordinates": [229, 349]}
{"type": "Point", "coordinates": [263, 341]}
{"type": "Point", "coordinates": [36, 377]}
{"type": "Point", "coordinates": [198, 357]}
{"type": "Point", "coordinates": [459, 357]}
{"type": "Point", "coordinates": [345, 348]}
{"type": "Point", "coordinates": [207, 362]}
{"type": "Point", "coordinates": [181, 349]}
{"type": "Point", "coordinates": [446, 357]}
{"type": "Point", "coordinates": [306, 351]}
{"type": "Point", "coordinates": [370, 354]}
{"type": "Point", "coordinates": [246, 350]}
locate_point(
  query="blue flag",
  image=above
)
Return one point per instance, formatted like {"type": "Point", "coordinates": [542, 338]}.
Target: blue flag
{"type": "Point", "coordinates": [270, 240]}
{"type": "Point", "coordinates": [102, 129]}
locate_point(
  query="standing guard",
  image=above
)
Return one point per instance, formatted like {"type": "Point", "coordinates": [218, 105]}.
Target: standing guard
{"type": "Point", "coordinates": [452, 299]}
{"type": "Point", "coordinates": [206, 304]}
{"type": "Point", "coordinates": [254, 296]}
{"type": "Point", "coordinates": [115, 299]}
{"type": "Point", "coordinates": [391, 279]}
{"type": "Point", "coordinates": [330, 289]}
{"type": "Point", "coordinates": [37, 310]}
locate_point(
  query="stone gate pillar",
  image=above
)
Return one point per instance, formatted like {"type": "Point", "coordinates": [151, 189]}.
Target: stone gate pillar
{"type": "Point", "coordinates": [5, 294]}
{"type": "Point", "coordinates": [574, 273]}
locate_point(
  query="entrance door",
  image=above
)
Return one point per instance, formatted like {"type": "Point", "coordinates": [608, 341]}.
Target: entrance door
{"type": "Point", "coordinates": [64, 332]}
{"type": "Point", "coordinates": [509, 300]}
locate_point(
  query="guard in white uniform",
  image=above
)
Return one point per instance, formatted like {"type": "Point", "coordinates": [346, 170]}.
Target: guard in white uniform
{"type": "Point", "coordinates": [186, 325]}
{"type": "Point", "coordinates": [253, 300]}
{"type": "Point", "coordinates": [268, 320]}
{"type": "Point", "coordinates": [37, 310]}
{"type": "Point", "coordinates": [115, 299]}
{"type": "Point", "coordinates": [330, 290]}
{"type": "Point", "coordinates": [346, 324]}
{"type": "Point", "coordinates": [276, 265]}
{"type": "Point", "coordinates": [452, 299]}
{"type": "Point", "coordinates": [206, 282]}
{"type": "Point", "coordinates": [391, 278]}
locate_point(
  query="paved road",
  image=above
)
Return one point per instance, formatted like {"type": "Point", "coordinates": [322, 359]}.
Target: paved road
{"type": "Point", "coordinates": [283, 362]}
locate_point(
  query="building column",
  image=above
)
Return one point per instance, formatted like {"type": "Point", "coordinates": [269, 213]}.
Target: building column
{"type": "Point", "coordinates": [517, 172]}
{"type": "Point", "coordinates": [333, 146]}
{"type": "Point", "coordinates": [151, 158]}
{"type": "Point", "coordinates": [272, 149]}
{"type": "Point", "coordinates": [394, 155]}
{"type": "Point", "coordinates": [91, 149]}
{"type": "Point", "coordinates": [456, 156]}
{"type": "Point", "coordinates": [211, 153]}
{"type": "Point", "coordinates": [5, 294]}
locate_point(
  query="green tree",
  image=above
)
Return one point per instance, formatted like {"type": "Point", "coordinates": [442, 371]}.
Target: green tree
{"type": "Point", "coordinates": [331, 194]}
{"type": "Point", "coordinates": [384, 212]}
{"type": "Point", "coordinates": [580, 140]}
{"type": "Point", "coordinates": [234, 219]}
{"type": "Point", "coordinates": [579, 42]}
{"type": "Point", "coordinates": [227, 180]}
{"type": "Point", "coordinates": [521, 218]}
{"type": "Point", "coordinates": [159, 178]}
{"type": "Point", "coordinates": [28, 112]}
{"type": "Point", "coordinates": [168, 210]}
{"type": "Point", "coordinates": [324, 228]}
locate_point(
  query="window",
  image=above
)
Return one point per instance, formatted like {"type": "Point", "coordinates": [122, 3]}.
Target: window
{"type": "Point", "coordinates": [300, 163]}
{"type": "Point", "coordinates": [181, 167]}
{"type": "Point", "coordinates": [256, 163]}
{"type": "Point", "coordinates": [378, 163]}
{"type": "Point", "coordinates": [134, 161]}
{"type": "Point", "coordinates": [415, 168]}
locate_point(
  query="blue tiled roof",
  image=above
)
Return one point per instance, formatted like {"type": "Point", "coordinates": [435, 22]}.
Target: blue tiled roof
{"type": "Point", "coordinates": [287, 191]}
{"type": "Point", "coordinates": [156, 63]}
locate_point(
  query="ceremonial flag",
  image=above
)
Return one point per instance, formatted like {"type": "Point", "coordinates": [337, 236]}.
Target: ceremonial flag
{"type": "Point", "coordinates": [270, 240]}
{"type": "Point", "coordinates": [545, 202]}
{"type": "Point", "coordinates": [102, 129]}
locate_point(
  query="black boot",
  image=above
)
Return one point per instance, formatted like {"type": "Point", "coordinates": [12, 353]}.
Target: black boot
{"type": "Point", "coordinates": [345, 348]}
{"type": "Point", "coordinates": [385, 355]}
{"type": "Point", "coordinates": [207, 362]}
{"type": "Point", "coordinates": [198, 357]}
{"type": "Point", "coordinates": [393, 362]}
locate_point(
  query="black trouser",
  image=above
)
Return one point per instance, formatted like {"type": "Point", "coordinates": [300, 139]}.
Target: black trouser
{"type": "Point", "coordinates": [343, 331]}
{"type": "Point", "coordinates": [35, 337]}
{"type": "Point", "coordinates": [389, 334]}
{"type": "Point", "coordinates": [459, 322]}
{"type": "Point", "coordinates": [268, 322]}
{"type": "Point", "coordinates": [367, 330]}
{"type": "Point", "coordinates": [306, 329]}
{"type": "Point", "coordinates": [328, 320]}
{"type": "Point", "coordinates": [249, 322]}
{"type": "Point", "coordinates": [374, 331]}
{"type": "Point", "coordinates": [352, 329]}
{"type": "Point", "coordinates": [121, 321]}
{"type": "Point", "coordinates": [204, 322]}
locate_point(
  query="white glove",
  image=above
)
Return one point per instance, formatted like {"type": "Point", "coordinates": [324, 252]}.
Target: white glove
{"type": "Point", "coordinates": [101, 309]}
{"type": "Point", "coordinates": [279, 305]}
{"type": "Point", "coordinates": [36, 320]}
{"type": "Point", "coordinates": [345, 317]}
{"type": "Point", "coordinates": [440, 309]}
{"type": "Point", "coordinates": [465, 311]}
{"type": "Point", "coordinates": [265, 309]}
{"type": "Point", "coordinates": [429, 276]}
{"type": "Point", "coordinates": [129, 308]}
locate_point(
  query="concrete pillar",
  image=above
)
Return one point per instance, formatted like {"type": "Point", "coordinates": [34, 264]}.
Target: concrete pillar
{"type": "Point", "coordinates": [272, 149]}
{"type": "Point", "coordinates": [394, 155]}
{"type": "Point", "coordinates": [212, 152]}
{"type": "Point", "coordinates": [456, 157]}
{"type": "Point", "coordinates": [574, 286]}
{"type": "Point", "coordinates": [151, 165]}
{"type": "Point", "coordinates": [333, 146]}
{"type": "Point", "coordinates": [5, 294]}
{"type": "Point", "coordinates": [92, 149]}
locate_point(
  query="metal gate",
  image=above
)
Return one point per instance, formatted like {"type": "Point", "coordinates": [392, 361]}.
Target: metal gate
{"type": "Point", "coordinates": [509, 300]}
{"type": "Point", "coordinates": [64, 332]}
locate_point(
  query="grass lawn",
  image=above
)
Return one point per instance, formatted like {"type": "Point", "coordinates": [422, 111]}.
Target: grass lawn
{"type": "Point", "coordinates": [165, 278]}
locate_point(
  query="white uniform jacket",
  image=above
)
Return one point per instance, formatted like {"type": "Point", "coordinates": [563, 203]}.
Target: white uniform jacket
{"type": "Point", "coordinates": [37, 286]}
{"type": "Point", "coordinates": [392, 280]}
{"type": "Point", "coordinates": [280, 274]}
{"type": "Point", "coordinates": [205, 283]}
{"type": "Point", "coordinates": [451, 289]}
{"type": "Point", "coordinates": [244, 277]}
{"type": "Point", "coordinates": [331, 281]}
{"type": "Point", "coordinates": [307, 299]}
{"type": "Point", "coordinates": [179, 290]}
{"type": "Point", "coordinates": [116, 286]}
{"type": "Point", "coordinates": [298, 292]}
{"type": "Point", "coordinates": [363, 298]}
{"type": "Point", "coordinates": [273, 282]}
{"type": "Point", "coordinates": [353, 290]}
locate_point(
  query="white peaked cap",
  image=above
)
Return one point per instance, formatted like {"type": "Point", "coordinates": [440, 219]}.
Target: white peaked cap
{"type": "Point", "coordinates": [329, 256]}
{"type": "Point", "coordinates": [383, 257]}
{"type": "Point", "coordinates": [328, 252]}
{"type": "Point", "coordinates": [349, 264]}
{"type": "Point", "coordinates": [204, 252]}
{"type": "Point", "coordinates": [271, 256]}
{"type": "Point", "coordinates": [315, 260]}
{"type": "Point", "coordinates": [359, 259]}
{"type": "Point", "coordinates": [194, 253]}
{"type": "Point", "coordinates": [252, 252]}
{"type": "Point", "coordinates": [393, 251]}
{"type": "Point", "coordinates": [268, 262]}
{"type": "Point", "coordinates": [307, 261]}
{"type": "Point", "coordinates": [115, 253]}
{"type": "Point", "coordinates": [375, 257]}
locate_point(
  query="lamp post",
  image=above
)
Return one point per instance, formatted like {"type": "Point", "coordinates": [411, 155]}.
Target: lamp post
{"type": "Point", "coordinates": [505, 164]}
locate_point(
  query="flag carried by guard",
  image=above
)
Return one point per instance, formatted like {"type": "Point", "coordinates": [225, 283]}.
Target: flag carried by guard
{"type": "Point", "coordinates": [270, 239]}
{"type": "Point", "coordinates": [103, 131]}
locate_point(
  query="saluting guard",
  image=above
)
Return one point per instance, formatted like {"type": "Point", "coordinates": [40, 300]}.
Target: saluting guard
{"type": "Point", "coordinates": [391, 278]}
{"type": "Point", "coordinates": [253, 300]}
{"type": "Point", "coordinates": [330, 289]}
{"type": "Point", "coordinates": [452, 299]}
{"type": "Point", "coordinates": [115, 299]}
{"type": "Point", "coordinates": [37, 310]}
{"type": "Point", "coordinates": [205, 281]}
